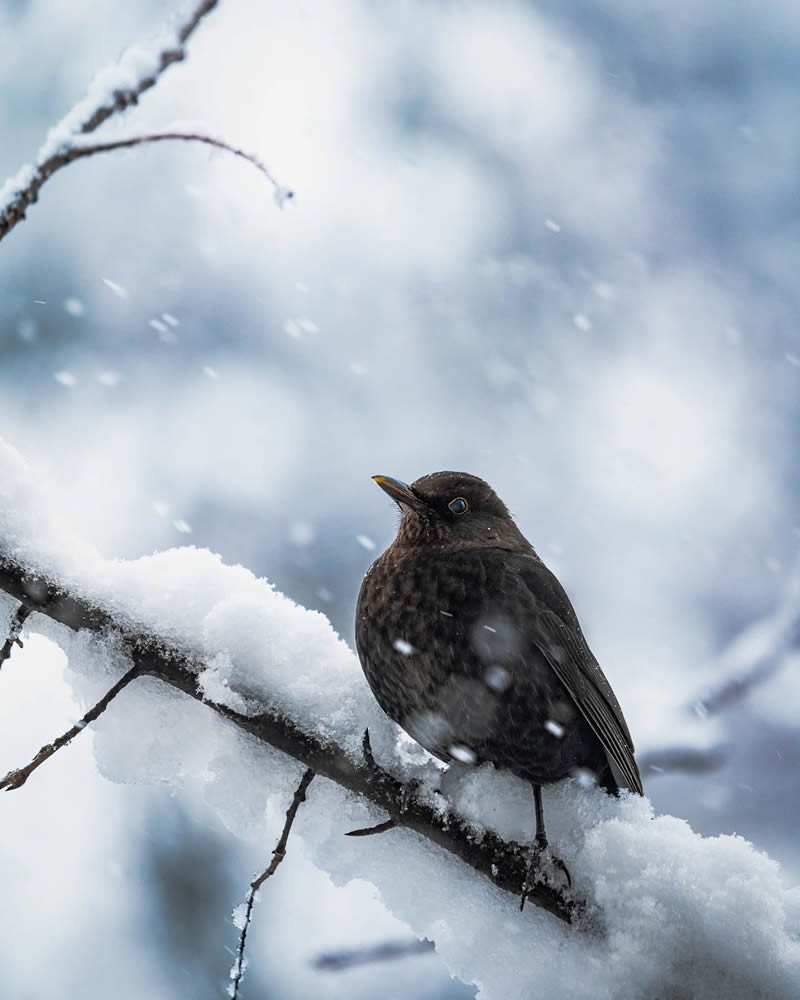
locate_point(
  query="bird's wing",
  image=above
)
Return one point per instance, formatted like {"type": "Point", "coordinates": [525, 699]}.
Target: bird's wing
{"type": "Point", "coordinates": [558, 636]}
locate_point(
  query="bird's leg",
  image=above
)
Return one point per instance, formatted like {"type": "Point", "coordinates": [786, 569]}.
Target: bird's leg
{"type": "Point", "coordinates": [377, 774]}
{"type": "Point", "coordinates": [539, 847]}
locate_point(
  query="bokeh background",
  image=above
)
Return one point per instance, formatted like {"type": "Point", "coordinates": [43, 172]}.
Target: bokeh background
{"type": "Point", "coordinates": [551, 244]}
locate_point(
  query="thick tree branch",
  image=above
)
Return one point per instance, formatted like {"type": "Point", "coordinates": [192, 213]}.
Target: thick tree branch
{"type": "Point", "coordinates": [114, 89]}
{"type": "Point", "coordinates": [504, 862]}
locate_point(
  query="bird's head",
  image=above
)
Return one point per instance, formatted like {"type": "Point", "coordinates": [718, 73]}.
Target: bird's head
{"type": "Point", "coordinates": [452, 510]}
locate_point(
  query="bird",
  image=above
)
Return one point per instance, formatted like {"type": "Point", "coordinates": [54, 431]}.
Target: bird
{"type": "Point", "coordinates": [470, 643]}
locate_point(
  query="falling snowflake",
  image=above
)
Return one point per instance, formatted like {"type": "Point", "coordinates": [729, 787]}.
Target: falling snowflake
{"type": "Point", "coordinates": [462, 753]}
{"type": "Point", "coordinates": [74, 307]}
{"type": "Point", "coordinates": [497, 678]}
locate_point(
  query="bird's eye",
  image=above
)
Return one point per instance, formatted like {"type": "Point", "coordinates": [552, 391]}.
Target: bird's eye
{"type": "Point", "coordinates": [459, 505]}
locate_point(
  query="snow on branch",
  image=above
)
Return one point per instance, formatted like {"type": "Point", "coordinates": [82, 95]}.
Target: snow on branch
{"type": "Point", "coordinates": [114, 89]}
{"type": "Point", "coordinates": [504, 863]}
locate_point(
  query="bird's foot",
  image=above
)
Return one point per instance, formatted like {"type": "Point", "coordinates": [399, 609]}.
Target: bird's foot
{"type": "Point", "coordinates": [541, 849]}
{"type": "Point", "coordinates": [377, 774]}
{"type": "Point", "coordinates": [376, 771]}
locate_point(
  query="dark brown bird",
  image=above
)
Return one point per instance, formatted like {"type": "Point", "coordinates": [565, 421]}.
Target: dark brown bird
{"type": "Point", "coordinates": [470, 643]}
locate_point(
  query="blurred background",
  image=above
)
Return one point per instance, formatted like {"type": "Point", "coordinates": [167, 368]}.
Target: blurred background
{"type": "Point", "coordinates": [551, 245]}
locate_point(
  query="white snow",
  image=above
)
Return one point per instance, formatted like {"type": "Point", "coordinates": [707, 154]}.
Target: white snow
{"type": "Point", "coordinates": [238, 916]}
{"type": "Point", "coordinates": [301, 533]}
{"type": "Point", "coordinates": [119, 290]}
{"type": "Point", "coordinates": [582, 321]}
{"type": "Point", "coordinates": [282, 195]}
{"type": "Point", "coordinates": [74, 306]}
{"type": "Point", "coordinates": [673, 914]}
{"type": "Point", "coordinates": [27, 330]}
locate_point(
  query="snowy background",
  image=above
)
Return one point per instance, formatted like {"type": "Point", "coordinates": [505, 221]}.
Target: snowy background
{"type": "Point", "coordinates": [553, 247]}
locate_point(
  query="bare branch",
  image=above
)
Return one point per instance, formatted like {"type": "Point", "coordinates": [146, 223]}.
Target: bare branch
{"type": "Point", "coordinates": [505, 863]}
{"type": "Point", "coordinates": [237, 972]}
{"type": "Point", "coordinates": [14, 630]}
{"type": "Point", "coordinates": [16, 779]}
{"type": "Point", "coordinates": [79, 151]}
{"type": "Point", "coordinates": [337, 961]}
{"type": "Point", "coordinates": [755, 654]}
{"type": "Point", "coordinates": [752, 657]}
{"type": "Point", "coordinates": [687, 760]}
{"type": "Point", "coordinates": [109, 93]}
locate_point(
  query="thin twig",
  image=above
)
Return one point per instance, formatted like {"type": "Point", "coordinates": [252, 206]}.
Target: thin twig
{"type": "Point", "coordinates": [22, 191]}
{"type": "Point", "coordinates": [337, 961]}
{"type": "Point", "coordinates": [14, 630]}
{"type": "Point", "coordinates": [16, 779]}
{"type": "Point", "coordinates": [368, 831]}
{"type": "Point", "coordinates": [77, 152]}
{"type": "Point", "coordinates": [237, 972]}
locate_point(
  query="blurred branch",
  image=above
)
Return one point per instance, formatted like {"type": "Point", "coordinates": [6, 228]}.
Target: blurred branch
{"type": "Point", "coordinates": [113, 90]}
{"type": "Point", "coordinates": [337, 961]}
{"type": "Point", "coordinates": [237, 972]}
{"type": "Point", "coordinates": [755, 654]}
{"type": "Point", "coordinates": [505, 863]}
{"type": "Point", "coordinates": [688, 760]}
{"type": "Point", "coordinates": [752, 657]}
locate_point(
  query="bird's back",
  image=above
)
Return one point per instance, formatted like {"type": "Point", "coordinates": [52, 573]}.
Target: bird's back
{"type": "Point", "coordinates": [453, 647]}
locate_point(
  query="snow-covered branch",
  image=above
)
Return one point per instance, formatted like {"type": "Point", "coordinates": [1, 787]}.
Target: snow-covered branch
{"type": "Point", "coordinates": [505, 863]}
{"type": "Point", "coordinates": [114, 89]}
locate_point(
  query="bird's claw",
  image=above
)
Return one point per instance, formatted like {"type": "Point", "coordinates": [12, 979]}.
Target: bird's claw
{"type": "Point", "coordinates": [539, 850]}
